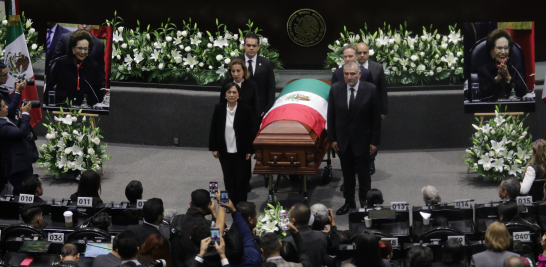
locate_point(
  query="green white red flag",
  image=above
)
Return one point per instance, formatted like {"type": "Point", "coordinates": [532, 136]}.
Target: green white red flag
{"type": "Point", "coordinates": [17, 58]}
{"type": "Point", "coordinates": [305, 101]}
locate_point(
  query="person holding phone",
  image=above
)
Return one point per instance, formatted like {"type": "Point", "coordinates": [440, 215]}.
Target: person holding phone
{"type": "Point", "coordinates": [230, 140]}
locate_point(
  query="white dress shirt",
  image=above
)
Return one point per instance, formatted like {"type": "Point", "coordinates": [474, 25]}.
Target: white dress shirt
{"type": "Point", "coordinates": [240, 84]}
{"type": "Point", "coordinates": [349, 92]}
{"type": "Point", "coordinates": [155, 226]}
{"type": "Point", "coordinates": [253, 63]}
{"type": "Point", "coordinates": [229, 133]}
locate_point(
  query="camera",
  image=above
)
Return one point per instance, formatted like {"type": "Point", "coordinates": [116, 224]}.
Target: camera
{"type": "Point", "coordinates": [22, 78]}
{"type": "Point", "coordinates": [33, 103]}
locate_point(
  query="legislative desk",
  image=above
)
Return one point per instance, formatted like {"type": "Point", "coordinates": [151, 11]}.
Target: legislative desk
{"type": "Point", "coordinates": [488, 213]}
{"type": "Point", "coordinates": [456, 218]}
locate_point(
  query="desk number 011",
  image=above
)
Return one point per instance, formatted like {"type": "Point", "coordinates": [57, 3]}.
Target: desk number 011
{"type": "Point", "coordinates": [85, 202]}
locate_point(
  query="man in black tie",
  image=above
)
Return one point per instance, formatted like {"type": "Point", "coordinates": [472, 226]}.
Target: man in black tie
{"type": "Point", "coordinates": [354, 125]}
{"type": "Point", "coordinates": [17, 148]}
{"type": "Point", "coordinates": [380, 82]}
{"type": "Point", "coordinates": [261, 71]}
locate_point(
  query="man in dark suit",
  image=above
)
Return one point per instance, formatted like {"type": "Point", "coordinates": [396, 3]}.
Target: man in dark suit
{"type": "Point", "coordinates": [380, 82]}
{"type": "Point", "coordinates": [349, 55]}
{"type": "Point", "coordinates": [354, 126]}
{"type": "Point", "coordinates": [96, 53]}
{"type": "Point", "coordinates": [54, 32]}
{"type": "Point", "coordinates": [153, 216]}
{"type": "Point", "coordinates": [261, 72]}
{"type": "Point", "coordinates": [17, 148]}
{"type": "Point", "coordinates": [11, 101]}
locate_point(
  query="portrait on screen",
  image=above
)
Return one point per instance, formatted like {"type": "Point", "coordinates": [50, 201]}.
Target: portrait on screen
{"type": "Point", "coordinates": [78, 62]}
{"type": "Point", "coordinates": [499, 63]}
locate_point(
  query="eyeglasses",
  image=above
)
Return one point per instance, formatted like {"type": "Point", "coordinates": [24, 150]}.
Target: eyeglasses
{"type": "Point", "coordinates": [502, 48]}
{"type": "Point", "coordinates": [83, 49]}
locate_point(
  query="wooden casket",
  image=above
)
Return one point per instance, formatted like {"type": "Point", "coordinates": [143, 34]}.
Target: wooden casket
{"type": "Point", "coordinates": [293, 139]}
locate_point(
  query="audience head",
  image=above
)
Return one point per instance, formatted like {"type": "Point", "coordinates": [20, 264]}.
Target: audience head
{"type": "Point", "coordinates": [321, 214]}
{"type": "Point", "coordinates": [248, 211]}
{"type": "Point", "coordinates": [153, 211]}
{"type": "Point", "coordinates": [513, 261]}
{"type": "Point", "coordinates": [89, 185]}
{"type": "Point", "coordinates": [200, 231]}
{"type": "Point", "coordinates": [251, 45]}
{"type": "Point", "coordinates": [33, 186]}
{"type": "Point", "coordinates": [508, 211]}
{"type": "Point", "coordinates": [127, 246]}
{"type": "Point", "coordinates": [419, 256]}
{"type": "Point", "coordinates": [386, 249]}
{"type": "Point", "coordinates": [374, 196]}
{"type": "Point", "coordinates": [102, 221]}
{"type": "Point", "coordinates": [270, 245]}
{"type": "Point", "coordinates": [362, 53]}
{"type": "Point", "coordinates": [133, 191]}
{"type": "Point", "coordinates": [299, 215]}
{"type": "Point", "coordinates": [200, 199]}
{"type": "Point", "coordinates": [452, 251]}
{"type": "Point", "coordinates": [349, 53]}
{"type": "Point", "coordinates": [367, 250]}
{"type": "Point", "coordinates": [497, 237]}
{"type": "Point", "coordinates": [32, 214]}
{"type": "Point", "coordinates": [431, 195]}
{"type": "Point", "coordinates": [69, 252]}
{"type": "Point", "coordinates": [156, 247]}
{"type": "Point", "coordinates": [509, 188]}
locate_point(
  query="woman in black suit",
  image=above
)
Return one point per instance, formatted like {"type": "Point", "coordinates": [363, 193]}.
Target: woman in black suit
{"type": "Point", "coordinates": [238, 73]}
{"type": "Point", "coordinates": [76, 76]}
{"type": "Point", "coordinates": [230, 140]}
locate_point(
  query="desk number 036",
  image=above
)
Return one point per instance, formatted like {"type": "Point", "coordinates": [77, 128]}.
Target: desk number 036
{"type": "Point", "coordinates": [55, 238]}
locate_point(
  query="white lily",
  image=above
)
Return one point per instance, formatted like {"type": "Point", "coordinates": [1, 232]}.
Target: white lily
{"type": "Point", "coordinates": [95, 140]}
{"type": "Point", "coordinates": [155, 55]}
{"type": "Point", "coordinates": [51, 135]}
{"type": "Point", "coordinates": [190, 60]}
{"type": "Point", "coordinates": [221, 71]}
{"type": "Point", "coordinates": [484, 159]}
{"type": "Point", "coordinates": [62, 162]}
{"type": "Point", "coordinates": [454, 37]}
{"type": "Point", "coordinates": [451, 59]}
{"type": "Point", "coordinates": [497, 146]}
{"type": "Point", "coordinates": [266, 218]}
{"type": "Point", "coordinates": [521, 154]}
{"type": "Point", "coordinates": [139, 57]}
{"type": "Point", "coordinates": [514, 169]}
{"type": "Point", "coordinates": [270, 227]}
{"type": "Point", "coordinates": [221, 42]}
{"type": "Point", "coordinates": [128, 60]}
{"type": "Point", "coordinates": [486, 128]}
{"type": "Point", "coordinates": [498, 165]}
{"type": "Point", "coordinates": [195, 41]}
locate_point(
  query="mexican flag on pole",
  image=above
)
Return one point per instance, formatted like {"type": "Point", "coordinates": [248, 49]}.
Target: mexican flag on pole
{"type": "Point", "coordinates": [304, 100]}
{"type": "Point", "coordinates": [17, 59]}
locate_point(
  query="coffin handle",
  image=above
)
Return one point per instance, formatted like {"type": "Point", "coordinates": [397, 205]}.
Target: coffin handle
{"type": "Point", "coordinates": [275, 160]}
{"type": "Point", "coordinates": [291, 160]}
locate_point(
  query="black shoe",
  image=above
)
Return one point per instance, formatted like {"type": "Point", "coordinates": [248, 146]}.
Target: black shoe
{"type": "Point", "coordinates": [342, 187]}
{"type": "Point", "coordinates": [346, 207]}
{"type": "Point", "coordinates": [372, 167]}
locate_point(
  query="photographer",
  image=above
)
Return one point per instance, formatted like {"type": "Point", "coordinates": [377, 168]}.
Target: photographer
{"type": "Point", "coordinates": [17, 147]}
{"type": "Point", "coordinates": [11, 101]}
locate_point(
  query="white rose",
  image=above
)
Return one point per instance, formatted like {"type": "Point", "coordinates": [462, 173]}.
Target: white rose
{"type": "Point", "coordinates": [493, 131]}
{"type": "Point", "coordinates": [219, 57]}
{"type": "Point", "coordinates": [236, 36]}
{"type": "Point", "coordinates": [199, 35]}
{"type": "Point", "coordinates": [404, 68]}
{"type": "Point", "coordinates": [438, 69]}
{"type": "Point", "coordinates": [148, 36]}
{"type": "Point", "coordinates": [422, 54]}
{"type": "Point", "coordinates": [337, 42]}
{"type": "Point", "coordinates": [210, 67]}
{"type": "Point", "coordinates": [4, 22]}
{"type": "Point", "coordinates": [181, 47]}
{"type": "Point", "coordinates": [187, 49]}
{"type": "Point", "coordinates": [436, 56]}
{"type": "Point", "coordinates": [131, 42]}
{"type": "Point", "coordinates": [168, 38]}
{"type": "Point", "coordinates": [414, 57]}
{"type": "Point", "coordinates": [201, 64]}
{"type": "Point", "coordinates": [232, 54]}
{"type": "Point", "coordinates": [160, 66]}
{"type": "Point", "coordinates": [31, 31]}
{"type": "Point", "coordinates": [265, 41]}
{"type": "Point", "coordinates": [485, 138]}
{"type": "Point", "coordinates": [459, 53]}
{"type": "Point", "coordinates": [438, 37]}
{"type": "Point", "coordinates": [184, 33]}
{"type": "Point", "coordinates": [129, 67]}
{"type": "Point", "coordinates": [120, 29]}
{"type": "Point", "coordinates": [227, 60]}
{"type": "Point", "coordinates": [209, 45]}
{"type": "Point", "coordinates": [211, 38]}
{"type": "Point", "coordinates": [412, 65]}
{"type": "Point", "coordinates": [371, 52]}
{"type": "Point", "coordinates": [120, 67]}
{"type": "Point", "coordinates": [411, 47]}
{"type": "Point", "coordinates": [34, 46]}
{"type": "Point", "coordinates": [444, 46]}
{"type": "Point", "coordinates": [124, 45]}
{"type": "Point", "coordinates": [119, 57]}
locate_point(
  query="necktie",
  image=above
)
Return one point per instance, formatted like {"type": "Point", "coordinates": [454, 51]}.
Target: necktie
{"type": "Point", "coordinates": [352, 99]}
{"type": "Point", "coordinates": [250, 70]}
{"type": "Point", "coordinates": [48, 42]}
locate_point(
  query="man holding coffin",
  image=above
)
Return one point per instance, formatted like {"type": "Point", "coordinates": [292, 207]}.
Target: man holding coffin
{"type": "Point", "coordinates": [354, 125]}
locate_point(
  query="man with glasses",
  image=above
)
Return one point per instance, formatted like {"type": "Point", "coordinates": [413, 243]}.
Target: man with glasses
{"type": "Point", "coordinates": [96, 53]}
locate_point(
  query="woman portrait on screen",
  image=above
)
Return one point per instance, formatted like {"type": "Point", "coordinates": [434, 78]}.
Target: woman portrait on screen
{"type": "Point", "coordinates": [536, 168]}
{"type": "Point", "coordinates": [500, 74]}
{"type": "Point", "coordinates": [230, 140]}
{"type": "Point", "coordinates": [76, 76]}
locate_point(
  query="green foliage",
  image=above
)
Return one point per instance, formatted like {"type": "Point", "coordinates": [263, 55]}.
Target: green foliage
{"type": "Point", "coordinates": [36, 52]}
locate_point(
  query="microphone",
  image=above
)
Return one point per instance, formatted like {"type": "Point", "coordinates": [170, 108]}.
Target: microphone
{"type": "Point", "coordinates": [92, 90]}
{"type": "Point", "coordinates": [86, 222]}
{"type": "Point", "coordinates": [524, 83]}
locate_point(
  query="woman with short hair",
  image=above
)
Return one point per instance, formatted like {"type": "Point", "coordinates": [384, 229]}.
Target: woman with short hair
{"type": "Point", "coordinates": [497, 240]}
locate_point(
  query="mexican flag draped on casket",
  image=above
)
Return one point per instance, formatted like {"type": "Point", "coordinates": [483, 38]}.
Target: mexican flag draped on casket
{"type": "Point", "coordinates": [17, 59]}
{"type": "Point", "coordinates": [304, 100]}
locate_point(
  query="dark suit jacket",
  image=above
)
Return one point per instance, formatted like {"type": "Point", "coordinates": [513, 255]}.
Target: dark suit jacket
{"type": "Point", "coordinates": [362, 126]}
{"type": "Point", "coordinates": [16, 150]}
{"type": "Point", "coordinates": [11, 101]}
{"type": "Point", "coordinates": [96, 53]}
{"type": "Point", "coordinates": [180, 236]}
{"type": "Point", "coordinates": [243, 124]}
{"type": "Point", "coordinates": [265, 80]}
{"type": "Point", "coordinates": [142, 232]}
{"type": "Point", "coordinates": [56, 37]}
{"type": "Point", "coordinates": [247, 96]}
{"type": "Point", "coordinates": [380, 82]}
{"type": "Point", "coordinates": [366, 75]}
{"type": "Point", "coordinates": [315, 243]}
{"type": "Point", "coordinates": [491, 91]}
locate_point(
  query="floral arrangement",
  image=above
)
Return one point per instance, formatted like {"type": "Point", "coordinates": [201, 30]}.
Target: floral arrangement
{"type": "Point", "coordinates": [500, 148]}
{"type": "Point", "coordinates": [36, 51]}
{"type": "Point", "coordinates": [407, 59]}
{"type": "Point", "coordinates": [72, 147]}
{"type": "Point", "coordinates": [170, 53]}
{"type": "Point", "coordinates": [269, 221]}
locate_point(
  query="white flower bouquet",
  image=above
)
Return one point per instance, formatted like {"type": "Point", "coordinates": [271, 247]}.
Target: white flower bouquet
{"type": "Point", "coordinates": [72, 147]}
{"type": "Point", "coordinates": [269, 221]}
{"type": "Point", "coordinates": [407, 59]}
{"type": "Point", "coordinates": [172, 53]}
{"type": "Point", "coordinates": [500, 148]}
{"type": "Point", "coordinates": [35, 50]}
